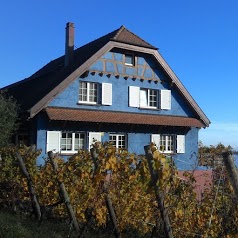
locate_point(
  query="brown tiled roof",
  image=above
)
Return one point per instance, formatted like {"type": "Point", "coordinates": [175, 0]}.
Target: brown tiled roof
{"type": "Point", "coordinates": [65, 114]}
{"type": "Point", "coordinates": [125, 36]}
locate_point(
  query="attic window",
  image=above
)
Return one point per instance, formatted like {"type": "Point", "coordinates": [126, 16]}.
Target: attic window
{"type": "Point", "coordinates": [129, 59]}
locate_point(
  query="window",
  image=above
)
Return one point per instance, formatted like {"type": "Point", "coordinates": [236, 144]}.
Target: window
{"type": "Point", "coordinates": [118, 140]}
{"type": "Point", "coordinates": [149, 98]}
{"type": "Point", "coordinates": [129, 59]}
{"type": "Point", "coordinates": [169, 143]}
{"type": "Point", "coordinates": [88, 92]}
{"type": "Point", "coordinates": [72, 142]}
{"type": "Point", "coordinates": [65, 142]}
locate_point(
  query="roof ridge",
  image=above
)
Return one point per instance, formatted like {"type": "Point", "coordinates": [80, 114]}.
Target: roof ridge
{"type": "Point", "coordinates": [118, 32]}
{"type": "Point", "coordinates": [139, 37]}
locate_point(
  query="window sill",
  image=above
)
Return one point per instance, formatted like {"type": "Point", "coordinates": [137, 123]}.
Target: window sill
{"type": "Point", "coordinates": [68, 153]}
{"type": "Point", "coordinates": [130, 65]}
{"type": "Point", "coordinates": [166, 152]}
{"type": "Point", "coordinates": [149, 108]}
{"type": "Point", "coordinates": [88, 103]}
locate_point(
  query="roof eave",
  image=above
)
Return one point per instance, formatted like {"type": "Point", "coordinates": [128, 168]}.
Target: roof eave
{"type": "Point", "coordinates": [118, 117]}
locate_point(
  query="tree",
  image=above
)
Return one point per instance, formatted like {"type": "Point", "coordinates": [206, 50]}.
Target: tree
{"type": "Point", "coordinates": [211, 156]}
{"type": "Point", "coordinates": [8, 117]}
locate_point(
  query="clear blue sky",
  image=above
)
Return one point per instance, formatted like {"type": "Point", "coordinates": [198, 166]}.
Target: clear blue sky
{"type": "Point", "coordinates": [198, 39]}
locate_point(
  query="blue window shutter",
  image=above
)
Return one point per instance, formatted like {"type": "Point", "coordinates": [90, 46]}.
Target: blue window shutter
{"type": "Point", "coordinates": [165, 99]}
{"type": "Point", "coordinates": [106, 93]}
{"type": "Point", "coordinates": [53, 141]}
{"type": "Point", "coordinates": [134, 96]}
{"type": "Point", "coordinates": [180, 144]}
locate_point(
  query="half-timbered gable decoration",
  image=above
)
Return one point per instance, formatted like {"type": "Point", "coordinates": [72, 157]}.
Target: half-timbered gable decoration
{"type": "Point", "coordinates": [117, 88]}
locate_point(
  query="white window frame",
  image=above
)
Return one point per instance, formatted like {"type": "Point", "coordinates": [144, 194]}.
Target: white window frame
{"type": "Point", "coordinates": [148, 95]}
{"type": "Point", "coordinates": [117, 140]}
{"type": "Point", "coordinates": [167, 138]}
{"type": "Point", "coordinates": [73, 150]}
{"type": "Point", "coordinates": [87, 101]}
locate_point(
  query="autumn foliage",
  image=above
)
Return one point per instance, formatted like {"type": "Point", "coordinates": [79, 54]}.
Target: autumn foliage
{"type": "Point", "coordinates": [126, 178]}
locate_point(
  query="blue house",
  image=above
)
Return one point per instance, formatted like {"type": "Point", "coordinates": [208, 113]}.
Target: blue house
{"type": "Point", "coordinates": [117, 88]}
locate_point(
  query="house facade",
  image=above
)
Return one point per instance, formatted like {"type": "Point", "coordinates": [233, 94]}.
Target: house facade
{"type": "Point", "coordinates": [117, 88]}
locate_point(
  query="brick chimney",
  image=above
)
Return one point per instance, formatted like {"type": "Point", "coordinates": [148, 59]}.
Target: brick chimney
{"type": "Point", "coordinates": [69, 44]}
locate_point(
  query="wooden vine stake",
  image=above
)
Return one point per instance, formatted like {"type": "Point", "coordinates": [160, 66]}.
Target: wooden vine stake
{"type": "Point", "coordinates": [64, 194]}
{"type": "Point", "coordinates": [111, 211]}
{"type": "Point", "coordinates": [108, 199]}
{"type": "Point", "coordinates": [34, 200]}
{"type": "Point", "coordinates": [158, 194]}
{"type": "Point", "coordinates": [231, 171]}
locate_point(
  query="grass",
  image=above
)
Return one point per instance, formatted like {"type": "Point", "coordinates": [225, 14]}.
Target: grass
{"type": "Point", "coordinates": [19, 226]}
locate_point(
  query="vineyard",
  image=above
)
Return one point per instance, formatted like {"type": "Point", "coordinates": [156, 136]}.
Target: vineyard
{"type": "Point", "coordinates": [122, 194]}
